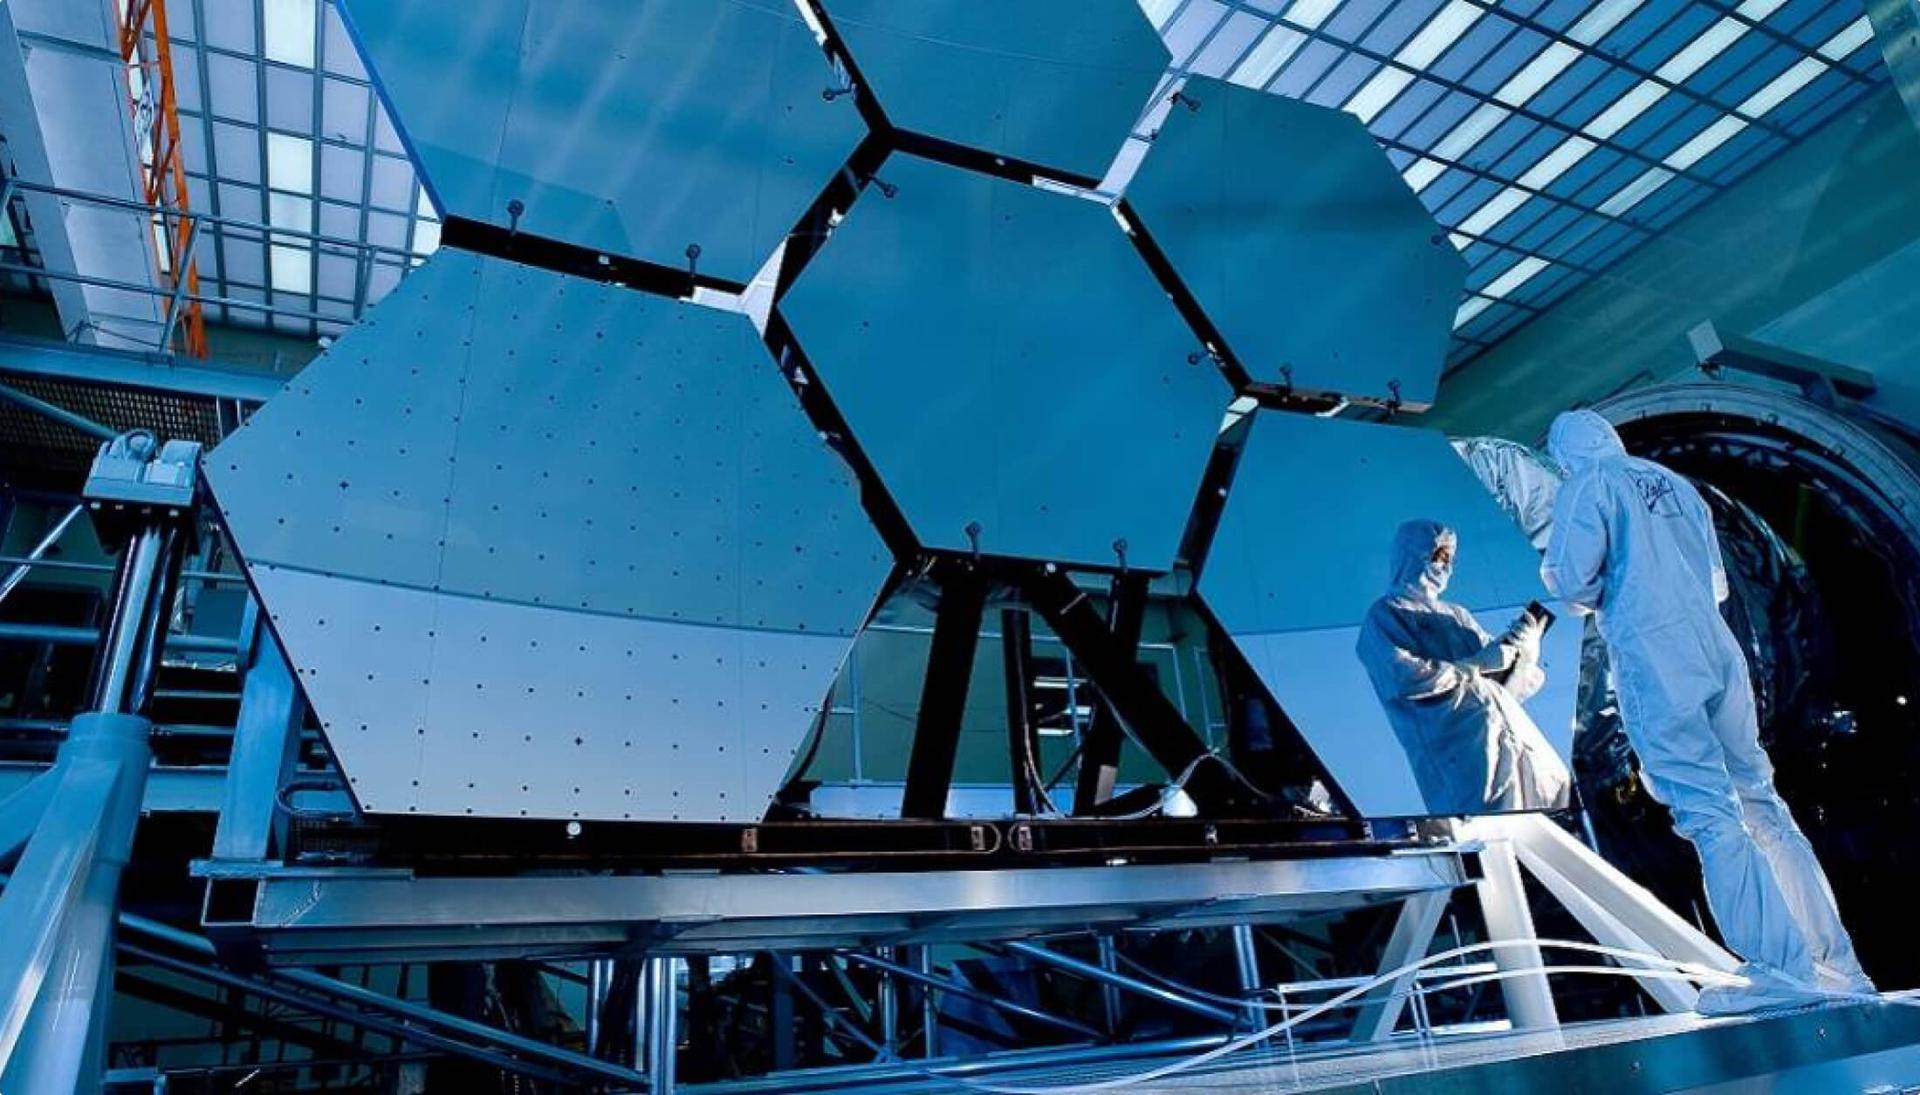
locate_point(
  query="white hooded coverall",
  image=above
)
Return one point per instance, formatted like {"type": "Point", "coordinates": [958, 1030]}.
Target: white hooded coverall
{"type": "Point", "coordinates": [1473, 748]}
{"type": "Point", "coordinates": [1634, 543]}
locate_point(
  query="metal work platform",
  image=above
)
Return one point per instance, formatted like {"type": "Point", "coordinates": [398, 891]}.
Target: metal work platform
{"type": "Point", "coordinates": [1819, 1051]}
{"type": "Point", "coordinates": [308, 917]}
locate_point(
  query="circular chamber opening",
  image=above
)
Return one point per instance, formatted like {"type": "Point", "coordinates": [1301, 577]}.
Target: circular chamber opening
{"type": "Point", "coordinates": [1816, 516]}
{"type": "Point", "coordinates": [1816, 509]}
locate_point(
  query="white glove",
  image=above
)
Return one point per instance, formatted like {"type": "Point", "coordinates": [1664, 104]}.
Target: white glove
{"type": "Point", "coordinates": [1491, 658]}
{"type": "Point", "coordinates": [1525, 633]}
{"type": "Point", "coordinates": [1527, 677]}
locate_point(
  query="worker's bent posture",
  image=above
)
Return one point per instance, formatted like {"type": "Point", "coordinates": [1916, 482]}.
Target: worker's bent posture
{"type": "Point", "coordinates": [1634, 543]}
{"type": "Point", "coordinates": [1452, 692]}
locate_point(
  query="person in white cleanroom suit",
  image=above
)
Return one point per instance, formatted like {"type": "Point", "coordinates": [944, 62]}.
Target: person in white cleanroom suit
{"type": "Point", "coordinates": [1634, 543]}
{"type": "Point", "coordinates": [1452, 692]}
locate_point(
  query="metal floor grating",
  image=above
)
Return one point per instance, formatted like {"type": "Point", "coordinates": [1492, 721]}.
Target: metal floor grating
{"type": "Point", "coordinates": [33, 444]}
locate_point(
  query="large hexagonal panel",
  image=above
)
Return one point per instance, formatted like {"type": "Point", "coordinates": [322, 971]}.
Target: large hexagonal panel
{"type": "Point", "coordinates": [1302, 551]}
{"type": "Point", "coordinates": [1302, 244]}
{"type": "Point", "coordinates": [543, 547]}
{"type": "Point", "coordinates": [634, 127]}
{"type": "Point", "coordinates": [1010, 367]}
{"type": "Point", "coordinates": [1054, 84]}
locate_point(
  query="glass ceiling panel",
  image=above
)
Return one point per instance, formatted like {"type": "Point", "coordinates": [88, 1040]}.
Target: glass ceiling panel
{"type": "Point", "coordinates": [1551, 137]}
{"type": "Point", "coordinates": [276, 109]}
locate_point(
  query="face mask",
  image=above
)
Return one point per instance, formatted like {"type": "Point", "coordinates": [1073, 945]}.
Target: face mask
{"type": "Point", "coordinates": [1436, 576]}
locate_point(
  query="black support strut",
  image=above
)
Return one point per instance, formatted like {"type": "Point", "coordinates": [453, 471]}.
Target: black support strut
{"type": "Point", "coordinates": [1023, 740]}
{"type": "Point", "coordinates": [1142, 709]}
{"type": "Point", "coordinates": [1100, 749]}
{"type": "Point", "coordinates": [943, 695]}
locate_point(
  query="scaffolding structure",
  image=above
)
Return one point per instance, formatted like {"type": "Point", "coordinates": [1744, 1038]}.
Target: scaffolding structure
{"type": "Point", "coordinates": [147, 52]}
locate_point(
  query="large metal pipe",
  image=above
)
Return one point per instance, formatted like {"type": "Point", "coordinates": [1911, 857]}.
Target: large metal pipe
{"type": "Point", "coordinates": [599, 976]}
{"type": "Point", "coordinates": [123, 670]}
{"type": "Point", "coordinates": [60, 904]}
{"type": "Point", "coordinates": [663, 1023]}
{"type": "Point", "coordinates": [889, 1006]}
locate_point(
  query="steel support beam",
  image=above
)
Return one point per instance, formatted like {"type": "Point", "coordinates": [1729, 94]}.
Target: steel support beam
{"type": "Point", "coordinates": [1379, 1011]}
{"type": "Point", "coordinates": [1246, 963]}
{"type": "Point", "coordinates": [1613, 908]}
{"type": "Point", "coordinates": [1147, 714]}
{"type": "Point", "coordinates": [943, 695]}
{"type": "Point", "coordinates": [889, 1005]}
{"type": "Point", "coordinates": [25, 565]}
{"type": "Point", "coordinates": [266, 748]}
{"type": "Point", "coordinates": [1109, 995]}
{"type": "Point", "coordinates": [1100, 750]}
{"type": "Point", "coordinates": [929, 1005]}
{"type": "Point", "coordinates": [344, 917]}
{"type": "Point", "coordinates": [957, 988]}
{"type": "Point", "coordinates": [87, 636]}
{"type": "Point", "coordinates": [169, 790]}
{"type": "Point", "coordinates": [20, 812]}
{"type": "Point", "coordinates": [1503, 904]}
{"type": "Point", "coordinates": [57, 913]}
{"type": "Point", "coordinates": [307, 983]}
{"type": "Point", "coordinates": [663, 1022]}
{"type": "Point", "coordinates": [177, 302]}
{"type": "Point", "coordinates": [153, 372]}
{"type": "Point", "coordinates": [399, 1031]}
{"type": "Point", "coordinates": [783, 972]}
{"type": "Point", "coordinates": [1087, 970]}
{"type": "Point", "coordinates": [1023, 743]}
{"type": "Point", "coordinates": [599, 983]}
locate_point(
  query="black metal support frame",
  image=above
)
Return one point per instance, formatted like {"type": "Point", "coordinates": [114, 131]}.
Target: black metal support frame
{"type": "Point", "coordinates": [1142, 709]}
{"type": "Point", "coordinates": [1023, 739]}
{"type": "Point", "coordinates": [1100, 749]}
{"type": "Point", "coordinates": [943, 694]}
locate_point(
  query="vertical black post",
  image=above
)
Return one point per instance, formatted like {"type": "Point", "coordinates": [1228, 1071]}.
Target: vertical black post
{"type": "Point", "coordinates": [943, 695]}
{"type": "Point", "coordinates": [458, 988]}
{"type": "Point", "coordinates": [1023, 746]}
{"type": "Point", "coordinates": [781, 1016]}
{"type": "Point", "coordinates": [1100, 748]}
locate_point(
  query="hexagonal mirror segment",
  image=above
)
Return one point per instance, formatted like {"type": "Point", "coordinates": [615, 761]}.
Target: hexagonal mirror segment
{"type": "Point", "coordinates": [543, 547]}
{"type": "Point", "coordinates": [1303, 246]}
{"type": "Point", "coordinates": [678, 133]}
{"type": "Point", "coordinates": [1058, 85]}
{"type": "Point", "coordinates": [1008, 364]}
{"type": "Point", "coordinates": [1304, 549]}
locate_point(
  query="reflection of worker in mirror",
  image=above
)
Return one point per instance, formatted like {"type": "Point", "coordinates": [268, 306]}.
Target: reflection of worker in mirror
{"type": "Point", "coordinates": [1453, 692]}
{"type": "Point", "coordinates": [1634, 543]}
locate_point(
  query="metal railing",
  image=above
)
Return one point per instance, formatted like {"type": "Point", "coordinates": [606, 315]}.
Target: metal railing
{"type": "Point", "coordinates": [364, 254]}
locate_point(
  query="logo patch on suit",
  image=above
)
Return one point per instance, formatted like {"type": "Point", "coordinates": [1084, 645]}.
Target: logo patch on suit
{"type": "Point", "coordinates": [1656, 493]}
